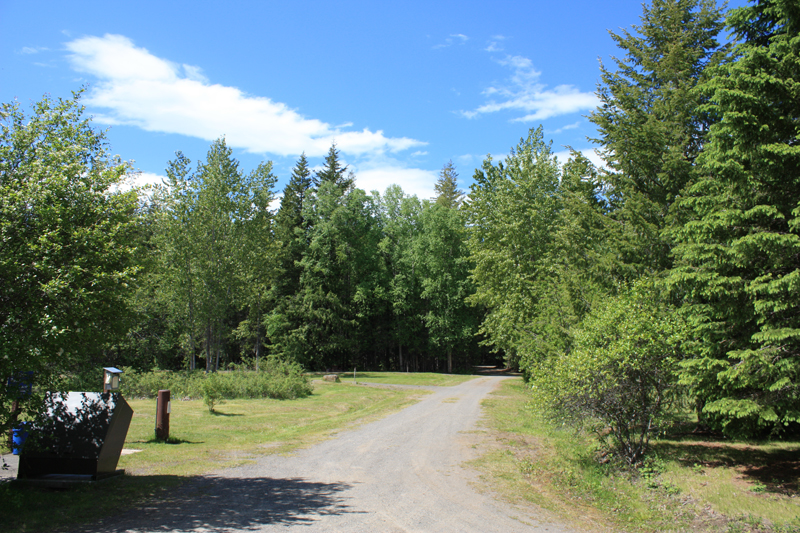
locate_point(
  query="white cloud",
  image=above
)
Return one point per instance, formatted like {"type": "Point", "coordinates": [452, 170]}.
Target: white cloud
{"type": "Point", "coordinates": [140, 89]}
{"type": "Point", "coordinates": [412, 180]}
{"type": "Point", "coordinates": [524, 93]}
{"type": "Point", "coordinates": [137, 179]}
{"type": "Point", "coordinates": [495, 44]}
{"type": "Point", "coordinates": [589, 153]}
{"type": "Point", "coordinates": [32, 50]}
{"type": "Point", "coordinates": [567, 127]}
{"type": "Point", "coordinates": [454, 38]}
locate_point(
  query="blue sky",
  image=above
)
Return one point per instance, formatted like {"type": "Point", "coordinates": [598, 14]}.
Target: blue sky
{"type": "Point", "coordinates": [401, 87]}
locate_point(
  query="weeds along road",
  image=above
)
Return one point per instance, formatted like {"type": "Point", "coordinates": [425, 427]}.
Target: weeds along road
{"type": "Point", "coordinates": [401, 473]}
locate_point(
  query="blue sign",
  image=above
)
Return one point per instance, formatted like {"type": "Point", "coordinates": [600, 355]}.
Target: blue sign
{"type": "Point", "coordinates": [22, 381]}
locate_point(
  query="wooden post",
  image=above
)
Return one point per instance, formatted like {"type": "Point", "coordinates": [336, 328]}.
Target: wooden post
{"type": "Point", "coordinates": [162, 415]}
{"type": "Point", "coordinates": [14, 417]}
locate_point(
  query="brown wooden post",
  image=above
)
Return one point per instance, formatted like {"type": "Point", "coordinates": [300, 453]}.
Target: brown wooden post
{"type": "Point", "coordinates": [162, 415]}
{"type": "Point", "coordinates": [14, 418]}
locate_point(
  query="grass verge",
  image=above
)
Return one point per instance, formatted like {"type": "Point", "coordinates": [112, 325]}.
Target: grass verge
{"type": "Point", "coordinates": [200, 442]}
{"type": "Point", "coordinates": [688, 485]}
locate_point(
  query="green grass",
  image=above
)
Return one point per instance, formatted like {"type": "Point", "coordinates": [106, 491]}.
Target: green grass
{"type": "Point", "coordinates": [687, 485]}
{"type": "Point", "coordinates": [200, 442]}
{"type": "Point", "coordinates": [242, 429]}
{"type": "Point", "coordinates": [405, 378]}
{"type": "Point", "coordinates": [751, 482]}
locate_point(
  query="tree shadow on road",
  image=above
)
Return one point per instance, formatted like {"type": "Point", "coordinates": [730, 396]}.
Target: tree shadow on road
{"type": "Point", "coordinates": [218, 503]}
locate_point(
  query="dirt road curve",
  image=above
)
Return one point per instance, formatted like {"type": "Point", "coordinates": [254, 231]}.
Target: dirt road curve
{"type": "Point", "coordinates": [402, 473]}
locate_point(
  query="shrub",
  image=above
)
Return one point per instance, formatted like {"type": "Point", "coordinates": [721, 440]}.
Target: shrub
{"type": "Point", "coordinates": [212, 391]}
{"type": "Point", "coordinates": [620, 377]}
{"type": "Point", "coordinates": [275, 379]}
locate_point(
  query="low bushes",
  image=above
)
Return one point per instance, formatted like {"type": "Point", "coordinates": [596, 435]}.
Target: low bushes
{"type": "Point", "coordinates": [277, 379]}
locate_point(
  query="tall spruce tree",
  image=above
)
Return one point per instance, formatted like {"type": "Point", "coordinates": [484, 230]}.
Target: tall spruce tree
{"type": "Point", "coordinates": [291, 231]}
{"type": "Point", "coordinates": [738, 256]}
{"type": "Point", "coordinates": [447, 192]}
{"type": "Point", "coordinates": [649, 126]}
{"type": "Point", "coordinates": [291, 227]}
{"type": "Point", "coordinates": [333, 171]}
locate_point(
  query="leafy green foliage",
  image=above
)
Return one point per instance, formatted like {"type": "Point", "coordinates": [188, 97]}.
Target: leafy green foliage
{"type": "Point", "coordinates": [444, 264]}
{"type": "Point", "coordinates": [511, 217]}
{"type": "Point", "coordinates": [620, 376]}
{"type": "Point", "coordinates": [274, 379]}
{"type": "Point", "coordinates": [212, 237]}
{"type": "Point", "coordinates": [67, 244]}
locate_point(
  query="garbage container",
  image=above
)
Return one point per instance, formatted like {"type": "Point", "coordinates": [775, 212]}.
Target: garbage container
{"type": "Point", "coordinates": [19, 435]}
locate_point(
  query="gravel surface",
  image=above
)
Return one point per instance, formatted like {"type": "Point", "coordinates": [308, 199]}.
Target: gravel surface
{"type": "Point", "coordinates": [401, 473]}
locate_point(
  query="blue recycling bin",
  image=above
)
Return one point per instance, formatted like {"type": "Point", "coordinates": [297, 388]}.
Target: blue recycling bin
{"type": "Point", "coordinates": [19, 435]}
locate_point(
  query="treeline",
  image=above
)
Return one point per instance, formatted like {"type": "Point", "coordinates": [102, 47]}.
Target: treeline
{"type": "Point", "coordinates": [334, 279]}
{"type": "Point", "coordinates": [667, 280]}
{"type": "Point", "coordinates": [664, 281]}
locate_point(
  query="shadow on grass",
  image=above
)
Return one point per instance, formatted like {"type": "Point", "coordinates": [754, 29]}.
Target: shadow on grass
{"type": "Point", "coordinates": [171, 440]}
{"type": "Point", "coordinates": [218, 413]}
{"type": "Point", "coordinates": [176, 503]}
{"type": "Point", "coordinates": [778, 469]}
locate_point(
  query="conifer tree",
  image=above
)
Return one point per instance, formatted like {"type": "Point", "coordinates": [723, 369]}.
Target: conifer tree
{"type": "Point", "coordinates": [738, 256]}
{"type": "Point", "coordinates": [446, 187]}
{"type": "Point", "coordinates": [291, 229]}
{"type": "Point", "coordinates": [291, 226]}
{"type": "Point", "coordinates": [650, 130]}
{"type": "Point", "coordinates": [333, 171]}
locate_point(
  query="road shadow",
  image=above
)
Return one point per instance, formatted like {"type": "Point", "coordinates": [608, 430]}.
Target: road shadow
{"type": "Point", "coordinates": [218, 503]}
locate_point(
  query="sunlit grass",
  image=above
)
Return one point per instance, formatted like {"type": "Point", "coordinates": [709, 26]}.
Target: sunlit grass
{"type": "Point", "coordinates": [752, 481]}
{"type": "Point", "coordinates": [688, 485]}
{"type": "Point", "coordinates": [242, 429]}
{"type": "Point", "coordinates": [200, 442]}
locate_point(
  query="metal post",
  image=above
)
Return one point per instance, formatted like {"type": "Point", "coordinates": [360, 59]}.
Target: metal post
{"type": "Point", "coordinates": [163, 408]}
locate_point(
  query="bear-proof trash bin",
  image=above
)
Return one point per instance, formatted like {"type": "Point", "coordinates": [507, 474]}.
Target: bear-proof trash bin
{"type": "Point", "coordinates": [79, 437]}
{"type": "Point", "coordinates": [19, 434]}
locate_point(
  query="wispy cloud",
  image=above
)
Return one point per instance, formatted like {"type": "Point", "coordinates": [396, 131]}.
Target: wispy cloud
{"type": "Point", "coordinates": [567, 127]}
{"type": "Point", "coordinates": [495, 44]}
{"type": "Point", "coordinates": [139, 89]}
{"type": "Point", "coordinates": [523, 92]}
{"type": "Point", "coordinates": [32, 50]}
{"type": "Point", "coordinates": [454, 38]}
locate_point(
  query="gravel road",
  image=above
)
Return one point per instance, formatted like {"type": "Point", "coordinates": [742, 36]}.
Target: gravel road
{"type": "Point", "coordinates": [401, 473]}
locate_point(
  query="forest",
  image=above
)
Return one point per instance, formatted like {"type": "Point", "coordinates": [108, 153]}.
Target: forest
{"type": "Point", "coordinates": [664, 281]}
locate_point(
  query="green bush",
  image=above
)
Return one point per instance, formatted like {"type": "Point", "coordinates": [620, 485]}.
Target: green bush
{"type": "Point", "coordinates": [620, 378]}
{"type": "Point", "coordinates": [212, 391]}
{"type": "Point", "coordinates": [275, 379]}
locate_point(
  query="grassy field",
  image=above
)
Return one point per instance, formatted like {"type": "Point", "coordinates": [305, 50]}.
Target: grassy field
{"type": "Point", "coordinates": [200, 442]}
{"type": "Point", "coordinates": [688, 485]}
{"type": "Point", "coordinates": [405, 378]}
